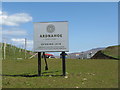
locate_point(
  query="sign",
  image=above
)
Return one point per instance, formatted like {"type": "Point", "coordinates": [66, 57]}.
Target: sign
{"type": "Point", "coordinates": [51, 36]}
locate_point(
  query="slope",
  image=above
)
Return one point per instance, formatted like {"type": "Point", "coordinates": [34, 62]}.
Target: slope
{"type": "Point", "coordinates": [12, 52]}
{"type": "Point", "coordinates": [111, 52]}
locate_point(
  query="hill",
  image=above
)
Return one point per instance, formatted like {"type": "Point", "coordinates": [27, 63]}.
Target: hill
{"type": "Point", "coordinates": [85, 54]}
{"type": "Point", "coordinates": [110, 52]}
{"type": "Point", "coordinates": [13, 52]}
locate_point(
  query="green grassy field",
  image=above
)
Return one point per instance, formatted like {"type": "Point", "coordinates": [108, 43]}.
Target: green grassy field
{"type": "Point", "coordinates": [94, 73]}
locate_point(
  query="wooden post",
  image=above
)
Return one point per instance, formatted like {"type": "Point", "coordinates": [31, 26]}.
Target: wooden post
{"type": "Point", "coordinates": [63, 64]}
{"type": "Point", "coordinates": [46, 67]}
{"type": "Point", "coordinates": [39, 63]}
{"type": "Point", "coordinates": [25, 46]}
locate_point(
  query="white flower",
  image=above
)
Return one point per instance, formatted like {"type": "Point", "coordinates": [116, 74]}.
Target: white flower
{"type": "Point", "coordinates": [77, 87]}
{"type": "Point", "coordinates": [66, 76]}
{"type": "Point", "coordinates": [50, 76]}
{"type": "Point", "coordinates": [84, 79]}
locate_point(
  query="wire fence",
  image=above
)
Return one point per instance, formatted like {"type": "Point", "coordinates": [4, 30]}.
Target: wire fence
{"type": "Point", "coordinates": [13, 50]}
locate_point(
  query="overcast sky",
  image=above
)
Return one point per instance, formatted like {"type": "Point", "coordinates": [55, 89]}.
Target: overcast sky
{"type": "Point", "coordinates": [91, 24]}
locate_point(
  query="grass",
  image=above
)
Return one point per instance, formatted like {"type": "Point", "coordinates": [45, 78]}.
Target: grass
{"type": "Point", "coordinates": [80, 74]}
{"type": "Point", "coordinates": [112, 51]}
{"type": "Point", "coordinates": [92, 73]}
{"type": "Point", "coordinates": [13, 52]}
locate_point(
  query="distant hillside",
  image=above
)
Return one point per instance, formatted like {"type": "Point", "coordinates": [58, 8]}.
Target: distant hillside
{"type": "Point", "coordinates": [109, 52]}
{"type": "Point", "coordinates": [84, 54]}
{"type": "Point", "coordinates": [13, 52]}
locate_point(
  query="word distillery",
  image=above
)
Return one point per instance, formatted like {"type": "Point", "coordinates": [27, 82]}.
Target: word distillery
{"type": "Point", "coordinates": [51, 35]}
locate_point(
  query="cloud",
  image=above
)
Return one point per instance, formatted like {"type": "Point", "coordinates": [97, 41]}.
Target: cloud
{"type": "Point", "coordinates": [21, 42]}
{"type": "Point", "coordinates": [30, 44]}
{"type": "Point", "coordinates": [14, 19]}
{"type": "Point", "coordinates": [18, 40]}
{"type": "Point", "coordinates": [14, 32]}
{"type": "Point", "coordinates": [0, 28]}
